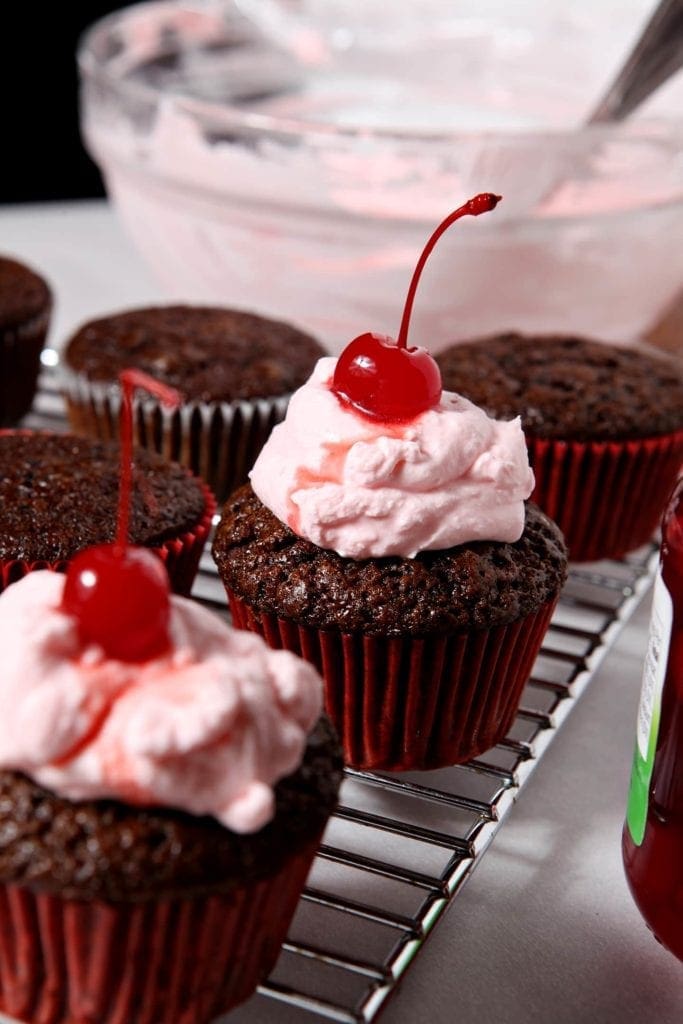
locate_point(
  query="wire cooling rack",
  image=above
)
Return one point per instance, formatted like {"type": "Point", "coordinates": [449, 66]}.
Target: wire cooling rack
{"type": "Point", "coordinates": [367, 911]}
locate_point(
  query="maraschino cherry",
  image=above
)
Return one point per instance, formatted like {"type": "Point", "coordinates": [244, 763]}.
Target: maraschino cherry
{"type": "Point", "coordinates": [385, 379]}
{"type": "Point", "coordinates": [119, 594]}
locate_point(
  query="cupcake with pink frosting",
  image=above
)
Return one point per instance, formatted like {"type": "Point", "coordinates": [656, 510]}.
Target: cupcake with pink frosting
{"type": "Point", "coordinates": [400, 556]}
{"type": "Point", "coordinates": [159, 814]}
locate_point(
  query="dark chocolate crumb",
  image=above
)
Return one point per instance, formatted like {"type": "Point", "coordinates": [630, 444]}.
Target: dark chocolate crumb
{"type": "Point", "coordinates": [568, 388]}
{"type": "Point", "coordinates": [476, 585]}
{"type": "Point", "coordinates": [59, 494]}
{"type": "Point", "coordinates": [208, 354]}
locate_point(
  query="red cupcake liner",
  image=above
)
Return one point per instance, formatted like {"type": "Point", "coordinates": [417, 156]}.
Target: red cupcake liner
{"type": "Point", "coordinates": [179, 554]}
{"type": "Point", "coordinates": [218, 441]}
{"type": "Point", "coordinates": [406, 703]}
{"type": "Point", "coordinates": [20, 349]}
{"type": "Point", "coordinates": [606, 497]}
{"type": "Point", "coordinates": [174, 961]}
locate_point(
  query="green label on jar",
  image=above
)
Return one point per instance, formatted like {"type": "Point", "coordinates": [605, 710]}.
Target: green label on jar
{"type": "Point", "coordinates": [649, 709]}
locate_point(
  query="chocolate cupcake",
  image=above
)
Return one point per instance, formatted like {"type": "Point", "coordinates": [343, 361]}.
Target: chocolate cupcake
{"type": "Point", "coordinates": [155, 842]}
{"type": "Point", "coordinates": [59, 494]}
{"type": "Point", "coordinates": [604, 428]}
{"type": "Point", "coordinates": [401, 560]}
{"type": "Point", "coordinates": [25, 307]}
{"type": "Point", "coordinates": [234, 370]}
{"type": "Point", "coordinates": [424, 659]}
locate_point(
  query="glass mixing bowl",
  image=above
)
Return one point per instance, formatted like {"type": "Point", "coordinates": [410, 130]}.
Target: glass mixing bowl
{"type": "Point", "coordinates": [301, 181]}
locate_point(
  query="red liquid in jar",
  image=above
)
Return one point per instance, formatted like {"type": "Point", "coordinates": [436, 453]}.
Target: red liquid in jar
{"type": "Point", "coordinates": [653, 833]}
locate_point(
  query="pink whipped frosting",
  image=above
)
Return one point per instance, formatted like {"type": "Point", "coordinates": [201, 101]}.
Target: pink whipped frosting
{"type": "Point", "coordinates": [367, 489]}
{"type": "Point", "coordinates": [208, 728]}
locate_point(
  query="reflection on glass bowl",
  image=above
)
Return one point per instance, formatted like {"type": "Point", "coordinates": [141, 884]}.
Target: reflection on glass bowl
{"type": "Point", "coordinates": [306, 189]}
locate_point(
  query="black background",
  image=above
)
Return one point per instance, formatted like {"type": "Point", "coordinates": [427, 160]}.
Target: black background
{"type": "Point", "coordinates": [41, 156]}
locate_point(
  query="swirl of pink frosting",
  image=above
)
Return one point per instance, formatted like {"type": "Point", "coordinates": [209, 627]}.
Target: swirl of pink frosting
{"type": "Point", "coordinates": [208, 728]}
{"type": "Point", "coordinates": [367, 489]}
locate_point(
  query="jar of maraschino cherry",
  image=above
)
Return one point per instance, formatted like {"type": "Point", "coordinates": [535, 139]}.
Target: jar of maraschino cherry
{"type": "Point", "coordinates": [653, 832]}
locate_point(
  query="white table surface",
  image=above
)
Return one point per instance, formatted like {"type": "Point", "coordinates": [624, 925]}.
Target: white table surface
{"type": "Point", "coordinates": [545, 931]}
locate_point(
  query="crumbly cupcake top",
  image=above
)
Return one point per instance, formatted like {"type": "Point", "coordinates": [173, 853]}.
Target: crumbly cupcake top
{"type": "Point", "coordinates": [24, 295]}
{"type": "Point", "coordinates": [568, 388]}
{"type": "Point", "coordinates": [59, 494]}
{"type": "Point", "coordinates": [208, 354]}
{"type": "Point", "coordinates": [205, 728]}
{"type": "Point", "coordinates": [477, 585]}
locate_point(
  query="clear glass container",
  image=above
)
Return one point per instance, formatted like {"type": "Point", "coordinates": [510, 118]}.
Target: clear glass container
{"type": "Point", "coordinates": [302, 183]}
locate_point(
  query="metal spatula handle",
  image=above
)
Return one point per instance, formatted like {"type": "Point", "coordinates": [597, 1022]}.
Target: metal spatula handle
{"type": "Point", "coordinates": [657, 55]}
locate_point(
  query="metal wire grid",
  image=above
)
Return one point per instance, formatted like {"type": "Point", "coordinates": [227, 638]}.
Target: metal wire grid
{"type": "Point", "coordinates": [367, 911]}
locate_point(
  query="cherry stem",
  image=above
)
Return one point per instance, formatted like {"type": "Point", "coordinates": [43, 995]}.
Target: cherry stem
{"type": "Point", "coordinates": [482, 203]}
{"type": "Point", "coordinates": [129, 380]}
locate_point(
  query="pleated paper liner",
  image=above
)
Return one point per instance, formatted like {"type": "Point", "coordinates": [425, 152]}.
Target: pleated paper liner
{"type": "Point", "coordinates": [20, 349]}
{"type": "Point", "coordinates": [218, 441]}
{"type": "Point", "coordinates": [173, 961]}
{"type": "Point", "coordinates": [606, 497]}
{"type": "Point", "coordinates": [179, 554]}
{"type": "Point", "coordinates": [406, 703]}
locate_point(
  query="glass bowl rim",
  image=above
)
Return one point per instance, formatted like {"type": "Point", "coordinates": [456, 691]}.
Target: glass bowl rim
{"type": "Point", "coordinates": [233, 118]}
